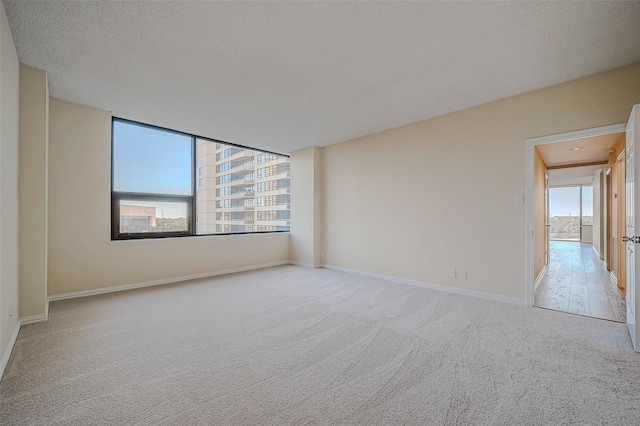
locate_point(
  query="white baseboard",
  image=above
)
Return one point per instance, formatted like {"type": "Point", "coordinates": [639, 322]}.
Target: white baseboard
{"type": "Point", "coordinates": [7, 352]}
{"type": "Point", "coordinates": [162, 281]}
{"type": "Point", "coordinates": [304, 265]}
{"type": "Point", "coordinates": [540, 277]}
{"type": "Point", "coordinates": [34, 318]}
{"type": "Point", "coordinates": [597, 253]}
{"type": "Point", "coordinates": [440, 287]}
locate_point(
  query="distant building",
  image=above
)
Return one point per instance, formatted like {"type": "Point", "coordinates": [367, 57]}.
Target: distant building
{"type": "Point", "coordinates": [241, 190]}
{"type": "Point", "coordinates": [137, 218]}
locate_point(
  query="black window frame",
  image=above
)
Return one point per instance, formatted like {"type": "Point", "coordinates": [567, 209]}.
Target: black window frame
{"type": "Point", "coordinates": [190, 200]}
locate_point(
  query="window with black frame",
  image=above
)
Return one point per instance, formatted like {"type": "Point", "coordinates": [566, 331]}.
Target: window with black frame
{"type": "Point", "coordinates": [171, 184]}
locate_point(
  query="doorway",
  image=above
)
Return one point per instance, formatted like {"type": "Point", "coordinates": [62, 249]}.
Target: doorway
{"type": "Point", "coordinates": [568, 251]}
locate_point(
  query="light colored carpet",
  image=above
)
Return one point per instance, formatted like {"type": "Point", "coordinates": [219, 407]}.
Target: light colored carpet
{"type": "Point", "coordinates": [289, 345]}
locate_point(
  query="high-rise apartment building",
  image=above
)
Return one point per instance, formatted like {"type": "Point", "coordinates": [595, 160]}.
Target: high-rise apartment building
{"type": "Point", "coordinates": [240, 189]}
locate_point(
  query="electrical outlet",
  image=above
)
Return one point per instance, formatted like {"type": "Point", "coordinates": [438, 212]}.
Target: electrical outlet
{"type": "Point", "coordinates": [452, 273]}
{"type": "Point", "coordinates": [462, 274]}
{"type": "Point", "coordinates": [11, 310]}
{"type": "Point", "coordinates": [322, 255]}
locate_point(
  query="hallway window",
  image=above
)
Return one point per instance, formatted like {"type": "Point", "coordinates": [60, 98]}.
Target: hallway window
{"type": "Point", "coordinates": [570, 208]}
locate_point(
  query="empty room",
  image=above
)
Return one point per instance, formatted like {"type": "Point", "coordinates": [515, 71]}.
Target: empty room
{"type": "Point", "coordinates": [300, 213]}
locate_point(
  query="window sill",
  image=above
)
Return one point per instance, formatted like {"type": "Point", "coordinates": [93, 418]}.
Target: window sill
{"type": "Point", "coordinates": [190, 237]}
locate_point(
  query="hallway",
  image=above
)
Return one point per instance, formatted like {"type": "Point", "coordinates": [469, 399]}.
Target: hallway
{"type": "Point", "coordinates": [576, 281]}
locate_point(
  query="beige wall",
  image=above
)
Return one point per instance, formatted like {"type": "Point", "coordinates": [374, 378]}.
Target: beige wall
{"type": "Point", "coordinates": [34, 142]}
{"type": "Point", "coordinates": [614, 238]}
{"type": "Point", "coordinates": [414, 201]}
{"type": "Point", "coordinates": [9, 107]}
{"type": "Point", "coordinates": [305, 204]}
{"type": "Point", "coordinates": [80, 254]}
{"type": "Point", "coordinates": [539, 219]}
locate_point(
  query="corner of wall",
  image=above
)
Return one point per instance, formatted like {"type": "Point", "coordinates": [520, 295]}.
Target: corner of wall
{"type": "Point", "coordinates": [32, 191]}
{"type": "Point", "coordinates": [6, 353]}
{"type": "Point", "coordinates": [305, 237]}
{"type": "Point", "coordinates": [9, 146]}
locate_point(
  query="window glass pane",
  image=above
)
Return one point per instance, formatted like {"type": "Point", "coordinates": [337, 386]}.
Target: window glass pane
{"type": "Point", "coordinates": [151, 216]}
{"type": "Point", "coordinates": [587, 205]}
{"type": "Point", "coordinates": [148, 160]}
{"type": "Point", "coordinates": [564, 213]}
{"type": "Point", "coordinates": [227, 203]}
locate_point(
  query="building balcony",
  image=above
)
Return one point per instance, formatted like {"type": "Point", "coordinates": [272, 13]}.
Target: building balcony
{"type": "Point", "coordinates": [245, 153]}
{"type": "Point", "coordinates": [239, 165]}
{"type": "Point", "coordinates": [237, 208]}
{"type": "Point", "coordinates": [277, 191]}
{"type": "Point", "coordinates": [239, 194]}
{"type": "Point", "coordinates": [275, 207]}
{"type": "Point", "coordinates": [282, 222]}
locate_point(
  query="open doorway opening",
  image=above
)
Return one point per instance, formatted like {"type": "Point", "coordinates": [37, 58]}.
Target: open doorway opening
{"type": "Point", "coordinates": [576, 217]}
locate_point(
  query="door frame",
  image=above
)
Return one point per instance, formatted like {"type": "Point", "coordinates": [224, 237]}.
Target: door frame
{"type": "Point", "coordinates": [531, 143]}
{"type": "Point", "coordinates": [608, 227]}
{"type": "Point", "coordinates": [621, 220]}
{"type": "Point", "coordinates": [547, 225]}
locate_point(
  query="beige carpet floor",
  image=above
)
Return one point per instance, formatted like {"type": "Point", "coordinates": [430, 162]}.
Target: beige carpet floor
{"type": "Point", "coordinates": [294, 346]}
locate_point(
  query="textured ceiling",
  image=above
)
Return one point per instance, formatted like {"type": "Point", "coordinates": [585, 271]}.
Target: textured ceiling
{"type": "Point", "coordinates": [287, 75]}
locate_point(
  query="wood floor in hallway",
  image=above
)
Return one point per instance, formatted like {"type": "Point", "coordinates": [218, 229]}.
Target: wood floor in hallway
{"type": "Point", "coordinates": [577, 281]}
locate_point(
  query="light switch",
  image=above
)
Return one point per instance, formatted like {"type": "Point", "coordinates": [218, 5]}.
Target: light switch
{"type": "Point", "coordinates": [519, 199]}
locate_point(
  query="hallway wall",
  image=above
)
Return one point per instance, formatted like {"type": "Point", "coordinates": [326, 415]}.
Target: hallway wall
{"type": "Point", "coordinates": [597, 212]}
{"type": "Point", "coordinates": [539, 220]}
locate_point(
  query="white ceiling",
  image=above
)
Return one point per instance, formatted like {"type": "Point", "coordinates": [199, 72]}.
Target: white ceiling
{"type": "Point", "coordinates": [594, 149]}
{"type": "Point", "coordinates": [286, 75]}
{"type": "Point", "coordinates": [573, 176]}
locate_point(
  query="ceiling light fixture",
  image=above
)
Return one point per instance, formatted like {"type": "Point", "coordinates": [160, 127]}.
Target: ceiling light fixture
{"type": "Point", "coordinates": [575, 148]}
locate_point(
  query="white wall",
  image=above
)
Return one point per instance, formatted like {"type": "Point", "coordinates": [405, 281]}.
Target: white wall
{"type": "Point", "coordinates": [597, 212]}
{"type": "Point", "coordinates": [81, 256]}
{"type": "Point", "coordinates": [9, 106]}
{"type": "Point", "coordinates": [304, 242]}
{"type": "Point", "coordinates": [414, 201]}
{"type": "Point", "coordinates": [33, 180]}
{"type": "Point", "coordinates": [587, 234]}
